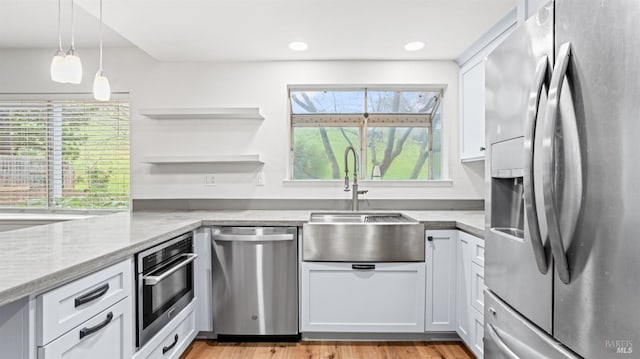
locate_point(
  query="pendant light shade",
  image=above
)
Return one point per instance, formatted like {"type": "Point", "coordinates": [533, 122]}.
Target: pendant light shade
{"type": "Point", "coordinates": [72, 63]}
{"type": "Point", "coordinates": [73, 67]}
{"type": "Point", "coordinates": [101, 87]}
{"type": "Point", "coordinates": [58, 69]}
{"type": "Point", "coordinates": [58, 73]}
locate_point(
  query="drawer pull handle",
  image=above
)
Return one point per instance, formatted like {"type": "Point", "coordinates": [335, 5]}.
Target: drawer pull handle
{"type": "Point", "coordinates": [88, 331]}
{"type": "Point", "coordinates": [169, 347]}
{"type": "Point", "coordinates": [363, 266]}
{"type": "Point", "coordinates": [93, 295]}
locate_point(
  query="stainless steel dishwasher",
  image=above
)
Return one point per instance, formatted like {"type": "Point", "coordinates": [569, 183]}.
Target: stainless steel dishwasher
{"type": "Point", "coordinates": [255, 282]}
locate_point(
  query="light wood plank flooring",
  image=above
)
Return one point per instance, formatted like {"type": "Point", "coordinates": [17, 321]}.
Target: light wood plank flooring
{"type": "Point", "coordinates": [201, 349]}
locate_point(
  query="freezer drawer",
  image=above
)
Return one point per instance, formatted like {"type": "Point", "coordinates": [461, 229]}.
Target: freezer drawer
{"type": "Point", "coordinates": [255, 280]}
{"type": "Point", "coordinates": [508, 335]}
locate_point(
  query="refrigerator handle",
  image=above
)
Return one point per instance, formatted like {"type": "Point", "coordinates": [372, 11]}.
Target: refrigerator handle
{"type": "Point", "coordinates": [529, 143]}
{"type": "Point", "coordinates": [500, 343]}
{"type": "Point", "coordinates": [548, 174]}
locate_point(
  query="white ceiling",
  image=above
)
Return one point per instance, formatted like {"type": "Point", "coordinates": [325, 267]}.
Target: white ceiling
{"type": "Point", "coordinates": [34, 24]}
{"type": "Point", "coordinates": [249, 30]}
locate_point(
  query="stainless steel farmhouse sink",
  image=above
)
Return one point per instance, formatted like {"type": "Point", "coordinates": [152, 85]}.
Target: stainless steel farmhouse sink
{"type": "Point", "coordinates": [362, 237]}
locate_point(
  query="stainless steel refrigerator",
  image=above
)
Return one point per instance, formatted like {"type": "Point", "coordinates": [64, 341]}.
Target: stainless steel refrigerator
{"type": "Point", "coordinates": [563, 184]}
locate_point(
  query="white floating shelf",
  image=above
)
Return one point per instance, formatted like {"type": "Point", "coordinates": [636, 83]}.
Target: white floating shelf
{"type": "Point", "coordinates": [217, 113]}
{"type": "Point", "coordinates": [225, 159]}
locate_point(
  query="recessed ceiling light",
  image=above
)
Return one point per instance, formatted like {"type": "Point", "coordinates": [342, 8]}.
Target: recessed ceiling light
{"type": "Point", "coordinates": [298, 46]}
{"type": "Point", "coordinates": [414, 46]}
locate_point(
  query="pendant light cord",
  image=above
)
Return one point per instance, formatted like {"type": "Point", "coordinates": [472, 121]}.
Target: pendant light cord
{"type": "Point", "coordinates": [59, 27]}
{"type": "Point", "coordinates": [100, 35]}
{"type": "Point", "coordinates": [73, 29]}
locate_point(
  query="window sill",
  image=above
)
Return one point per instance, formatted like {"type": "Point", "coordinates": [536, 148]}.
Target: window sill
{"type": "Point", "coordinates": [369, 183]}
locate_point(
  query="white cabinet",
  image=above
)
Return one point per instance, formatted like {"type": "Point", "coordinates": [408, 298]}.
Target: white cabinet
{"type": "Point", "coordinates": [174, 338]}
{"type": "Point", "coordinates": [108, 335]}
{"type": "Point", "coordinates": [463, 286]}
{"type": "Point", "coordinates": [69, 305]}
{"type": "Point", "coordinates": [362, 297]}
{"type": "Point", "coordinates": [440, 311]}
{"type": "Point", "coordinates": [472, 90]}
{"type": "Point", "coordinates": [16, 330]}
{"type": "Point", "coordinates": [90, 317]}
{"type": "Point", "coordinates": [470, 291]}
{"type": "Point", "coordinates": [472, 110]}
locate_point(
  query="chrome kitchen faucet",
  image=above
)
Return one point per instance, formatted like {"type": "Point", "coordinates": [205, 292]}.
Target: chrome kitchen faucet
{"type": "Point", "coordinates": [354, 198]}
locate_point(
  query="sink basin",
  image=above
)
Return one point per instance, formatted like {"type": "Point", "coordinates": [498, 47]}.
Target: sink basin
{"type": "Point", "coordinates": [362, 237]}
{"type": "Point", "coordinates": [360, 217]}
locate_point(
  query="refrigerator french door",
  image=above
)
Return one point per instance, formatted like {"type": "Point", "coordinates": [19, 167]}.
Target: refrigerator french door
{"type": "Point", "coordinates": [571, 277]}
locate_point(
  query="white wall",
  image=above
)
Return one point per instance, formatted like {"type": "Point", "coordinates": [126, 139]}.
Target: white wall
{"type": "Point", "coordinates": [152, 84]}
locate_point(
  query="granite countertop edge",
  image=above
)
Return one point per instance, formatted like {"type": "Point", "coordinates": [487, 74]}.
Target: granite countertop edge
{"type": "Point", "coordinates": [188, 221]}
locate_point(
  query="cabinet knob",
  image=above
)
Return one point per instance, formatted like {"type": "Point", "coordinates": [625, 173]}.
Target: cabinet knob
{"type": "Point", "coordinates": [482, 148]}
{"type": "Point", "coordinates": [430, 238]}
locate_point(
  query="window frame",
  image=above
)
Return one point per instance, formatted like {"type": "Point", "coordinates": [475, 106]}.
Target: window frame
{"type": "Point", "coordinates": [67, 97]}
{"type": "Point", "coordinates": [361, 121]}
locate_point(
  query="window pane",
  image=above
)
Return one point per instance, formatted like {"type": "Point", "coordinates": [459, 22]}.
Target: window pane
{"type": "Point", "coordinates": [64, 154]}
{"type": "Point", "coordinates": [23, 156]}
{"type": "Point", "coordinates": [400, 153]}
{"type": "Point", "coordinates": [318, 152]}
{"type": "Point", "coordinates": [400, 101]}
{"type": "Point", "coordinates": [437, 144]}
{"type": "Point", "coordinates": [95, 156]}
{"type": "Point", "coordinates": [329, 101]}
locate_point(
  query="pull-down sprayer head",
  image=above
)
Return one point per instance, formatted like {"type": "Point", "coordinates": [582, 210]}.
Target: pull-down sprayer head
{"type": "Point", "coordinates": [346, 167]}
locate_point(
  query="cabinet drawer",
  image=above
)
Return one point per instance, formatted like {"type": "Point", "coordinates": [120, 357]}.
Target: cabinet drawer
{"type": "Point", "coordinates": [342, 297]}
{"type": "Point", "coordinates": [478, 251]}
{"type": "Point", "coordinates": [477, 287]}
{"type": "Point", "coordinates": [173, 339]}
{"type": "Point", "coordinates": [70, 305]}
{"type": "Point", "coordinates": [107, 335]}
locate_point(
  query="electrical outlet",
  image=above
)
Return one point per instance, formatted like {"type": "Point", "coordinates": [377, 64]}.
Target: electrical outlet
{"type": "Point", "coordinates": [210, 180]}
{"type": "Point", "coordinates": [260, 179]}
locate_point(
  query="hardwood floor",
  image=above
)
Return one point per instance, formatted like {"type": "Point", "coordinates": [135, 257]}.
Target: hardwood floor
{"type": "Point", "coordinates": [201, 349]}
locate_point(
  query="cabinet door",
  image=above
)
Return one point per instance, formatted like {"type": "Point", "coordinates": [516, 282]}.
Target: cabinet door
{"type": "Point", "coordinates": [358, 297]}
{"type": "Point", "coordinates": [477, 333]}
{"type": "Point", "coordinates": [440, 311]}
{"type": "Point", "coordinates": [108, 335]}
{"type": "Point", "coordinates": [477, 287]}
{"type": "Point", "coordinates": [463, 287]}
{"type": "Point", "coordinates": [472, 111]}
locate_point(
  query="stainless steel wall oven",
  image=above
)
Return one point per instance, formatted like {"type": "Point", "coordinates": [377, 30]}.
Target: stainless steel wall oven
{"type": "Point", "coordinates": [164, 284]}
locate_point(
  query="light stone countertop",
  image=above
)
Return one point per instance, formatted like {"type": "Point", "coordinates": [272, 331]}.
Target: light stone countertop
{"type": "Point", "coordinates": [36, 259]}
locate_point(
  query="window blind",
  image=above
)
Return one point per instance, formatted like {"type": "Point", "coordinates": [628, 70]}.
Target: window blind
{"type": "Point", "coordinates": [64, 154]}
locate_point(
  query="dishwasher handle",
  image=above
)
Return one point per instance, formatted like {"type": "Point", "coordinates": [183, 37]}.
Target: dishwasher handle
{"type": "Point", "coordinates": [252, 237]}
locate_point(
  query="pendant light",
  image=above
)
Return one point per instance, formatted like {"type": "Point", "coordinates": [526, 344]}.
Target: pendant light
{"type": "Point", "coordinates": [101, 87]}
{"type": "Point", "coordinates": [58, 73]}
{"type": "Point", "coordinates": [72, 63]}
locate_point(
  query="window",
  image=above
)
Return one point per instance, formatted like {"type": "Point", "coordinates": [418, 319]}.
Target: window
{"type": "Point", "coordinates": [64, 154]}
{"type": "Point", "coordinates": [396, 132]}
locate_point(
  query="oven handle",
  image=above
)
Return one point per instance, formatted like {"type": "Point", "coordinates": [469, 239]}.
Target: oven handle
{"type": "Point", "coordinates": [155, 279]}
